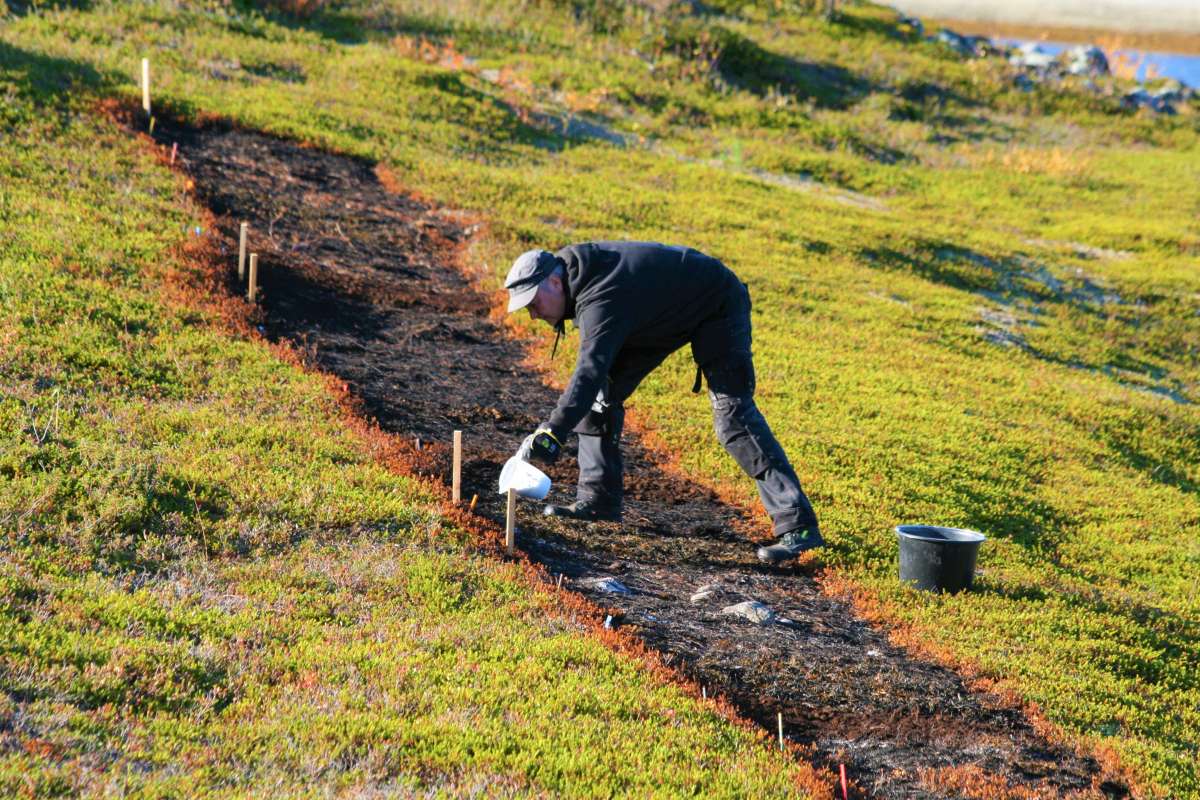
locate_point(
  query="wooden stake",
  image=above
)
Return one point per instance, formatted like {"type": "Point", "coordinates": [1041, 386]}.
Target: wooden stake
{"type": "Point", "coordinates": [780, 730]}
{"type": "Point", "coordinates": [253, 277]}
{"type": "Point", "coordinates": [242, 251]}
{"type": "Point", "coordinates": [174, 152]}
{"type": "Point", "coordinates": [845, 789]}
{"type": "Point", "coordinates": [146, 85]}
{"type": "Point", "coordinates": [510, 522]}
{"type": "Point", "coordinates": [474, 500]}
{"type": "Point", "coordinates": [559, 585]}
{"type": "Point", "coordinates": [456, 476]}
{"type": "Point", "coordinates": [703, 693]}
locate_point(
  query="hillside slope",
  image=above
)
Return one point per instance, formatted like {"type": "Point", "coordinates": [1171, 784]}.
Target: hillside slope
{"type": "Point", "coordinates": [976, 305]}
{"type": "Point", "coordinates": [215, 583]}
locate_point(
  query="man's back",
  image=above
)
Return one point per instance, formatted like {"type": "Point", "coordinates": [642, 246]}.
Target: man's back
{"type": "Point", "coordinates": [659, 292]}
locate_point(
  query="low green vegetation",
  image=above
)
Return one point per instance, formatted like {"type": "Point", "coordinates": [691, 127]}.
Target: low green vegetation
{"type": "Point", "coordinates": [208, 585]}
{"type": "Point", "coordinates": [975, 306]}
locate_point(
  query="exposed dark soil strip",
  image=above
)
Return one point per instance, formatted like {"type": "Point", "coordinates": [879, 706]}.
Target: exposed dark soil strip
{"type": "Point", "coordinates": [362, 280]}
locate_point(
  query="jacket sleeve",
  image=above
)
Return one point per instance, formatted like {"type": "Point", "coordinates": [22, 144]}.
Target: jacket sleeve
{"type": "Point", "coordinates": [603, 329]}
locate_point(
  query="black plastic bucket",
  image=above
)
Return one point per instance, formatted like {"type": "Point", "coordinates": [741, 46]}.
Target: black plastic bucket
{"type": "Point", "coordinates": [938, 559]}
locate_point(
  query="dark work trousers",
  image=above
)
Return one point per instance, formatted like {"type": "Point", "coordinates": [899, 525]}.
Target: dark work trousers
{"type": "Point", "coordinates": [721, 348]}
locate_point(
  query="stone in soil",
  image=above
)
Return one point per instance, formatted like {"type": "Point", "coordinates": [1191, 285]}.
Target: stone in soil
{"type": "Point", "coordinates": [751, 611]}
{"type": "Point", "coordinates": [607, 585]}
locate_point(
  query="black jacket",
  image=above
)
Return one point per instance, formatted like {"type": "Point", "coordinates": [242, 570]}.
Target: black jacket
{"type": "Point", "coordinates": [632, 294]}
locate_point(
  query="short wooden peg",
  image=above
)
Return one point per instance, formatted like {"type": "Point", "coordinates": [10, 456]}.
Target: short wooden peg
{"type": "Point", "coordinates": [510, 522]}
{"type": "Point", "coordinates": [174, 152]}
{"type": "Point", "coordinates": [242, 251]}
{"type": "Point", "coordinates": [474, 500]}
{"type": "Point", "coordinates": [780, 730]}
{"type": "Point", "coordinates": [253, 292]}
{"type": "Point", "coordinates": [146, 85]}
{"type": "Point", "coordinates": [456, 478]}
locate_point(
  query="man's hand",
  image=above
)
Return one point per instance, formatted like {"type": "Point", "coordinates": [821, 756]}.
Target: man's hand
{"type": "Point", "coordinates": [541, 446]}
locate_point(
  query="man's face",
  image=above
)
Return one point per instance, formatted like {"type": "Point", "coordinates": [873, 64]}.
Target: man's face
{"type": "Point", "coordinates": [550, 302]}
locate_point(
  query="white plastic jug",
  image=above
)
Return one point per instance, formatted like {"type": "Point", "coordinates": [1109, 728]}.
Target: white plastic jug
{"type": "Point", "coordinates": [525, 478]}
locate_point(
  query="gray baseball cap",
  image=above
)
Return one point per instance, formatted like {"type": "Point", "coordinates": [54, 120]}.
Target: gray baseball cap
{"type": "Point", "coordinates": [528, 271]}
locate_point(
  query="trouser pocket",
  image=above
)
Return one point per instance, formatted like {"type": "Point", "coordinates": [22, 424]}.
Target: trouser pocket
{"type": "Point", "coordinates": [730, 375]}
{"type": "Point", "coordinates": [605, 418]}
{"type": "Point", "coordinates": [740, 429]}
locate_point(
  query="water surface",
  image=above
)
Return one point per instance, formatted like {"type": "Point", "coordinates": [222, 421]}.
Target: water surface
{"type": "Point", "coordinates": [1183, 67]}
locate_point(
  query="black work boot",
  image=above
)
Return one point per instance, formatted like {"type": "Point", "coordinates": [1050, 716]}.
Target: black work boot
{"type": "Point", "coordinates": [790, 545]}
{"type": "Point", "coordinates": [585, 510]}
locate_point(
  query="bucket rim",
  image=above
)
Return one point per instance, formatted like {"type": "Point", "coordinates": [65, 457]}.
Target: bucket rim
{"type": "Point", "coordinates": [949, 535]}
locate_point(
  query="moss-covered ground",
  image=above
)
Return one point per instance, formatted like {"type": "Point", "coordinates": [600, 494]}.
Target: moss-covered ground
{"type": "Point", "coordinates": [975, 306]}
{"type": "Point", "coordinates": [209, 584]}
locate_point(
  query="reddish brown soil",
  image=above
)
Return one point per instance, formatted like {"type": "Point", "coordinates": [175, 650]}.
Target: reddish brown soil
{"type": "Point", "coordinates": [364, 282]}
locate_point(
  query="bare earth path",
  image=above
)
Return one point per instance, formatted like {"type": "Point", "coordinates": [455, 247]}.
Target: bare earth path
{"type": "Point", "coordinates": [361, 280]}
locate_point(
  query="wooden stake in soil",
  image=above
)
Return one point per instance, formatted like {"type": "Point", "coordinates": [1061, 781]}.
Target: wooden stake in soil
{"type": "Point", "coordinates": [242, 251]}
{"type": "Point", "coordinates": [510, 522]}
{"type": "Point", "coordinates": [146, 86]}
{"type": "Point", "coordinates": [174, 152]}
{"type": "Point", "coordinates": [253, 277]}
{"type": "Point", "coordinates": [780, 730]}
{"type": "Point", "coordinates": [474, 500]}
{"type": "Point", "coordinates": [456, 476]}
{"type": "Point", "coordinates": [845, 789]}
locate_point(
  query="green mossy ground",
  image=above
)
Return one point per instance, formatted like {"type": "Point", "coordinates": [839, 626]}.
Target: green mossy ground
{"type": "Point", "coordinates": [975, 306]}
{"type": "Point", "coordinates": [208, 587]}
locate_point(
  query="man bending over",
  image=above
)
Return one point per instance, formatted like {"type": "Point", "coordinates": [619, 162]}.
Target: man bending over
{"type": "Point", "coordinates": [635, 303]}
